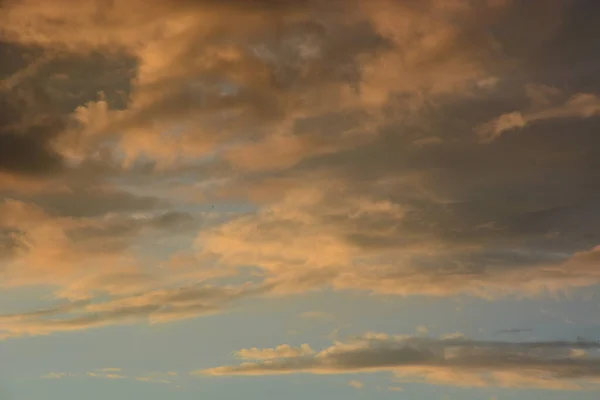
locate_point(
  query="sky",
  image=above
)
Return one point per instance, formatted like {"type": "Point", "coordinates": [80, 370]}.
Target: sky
{"type": "Point", "coordinates": [262, 199]}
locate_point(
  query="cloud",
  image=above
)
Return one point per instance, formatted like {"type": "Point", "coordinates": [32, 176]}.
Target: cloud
{"type": "Point", "coordinates": [459, 361]}
{"type": "Point", "coordinates": [341, 126]}
{"type": "Point", "coordinates": [283, 351]}
{"type": "Point", "coordinates": [152, 306]}
{"type": "Point", "coordinates": [54, 375]}
{"type": "Point", "coordinates": [256, 63]}
{"type": "Point", "coordinates": [106, 375]}
{"type": "Point", "coordinates": [41, 247]}
{"type": "Point", "coordinates": [26, 136]}
{"type": "Point", "coordinates": [82, 201]}
{"type": "Point", "coordinates": [356, 384]}
{"type": "Point", "coordinates": [111, 373]}
{"type": "Point", "coordinates": [387, 247]}
{"type": "Point", "coordinates": [422, 330]}
{"type": "Point", "coordinates": [505, 122]}
{"type": "Point", "coordinates": [250, 77]}
{"type": "Point", "coordinates": [581, 105]}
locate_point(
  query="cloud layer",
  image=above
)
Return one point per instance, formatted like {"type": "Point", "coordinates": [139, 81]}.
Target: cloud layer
{"type": "Point", "coordinates": [150, 155]}
{"type": "Point", "coordinates": [453, 361]}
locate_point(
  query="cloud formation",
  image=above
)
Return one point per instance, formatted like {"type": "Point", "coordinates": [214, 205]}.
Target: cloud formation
{"type": "Point", "coordinates": [283, 351]}
{"type": "Point", "coordinates": [453, 361]}
{"type": "Point", "coordinates": [26, 134]}
{"type": "Point", "coordinates": [116, 373]}
{"type": "Point", "coordinates": [152, 306]}
{"type": "Point", "coordinates": [581, 105]}
{"type": "Point", "coordinates": [323, 144]}
{"type": "Point", "coordinates": [385, 247]}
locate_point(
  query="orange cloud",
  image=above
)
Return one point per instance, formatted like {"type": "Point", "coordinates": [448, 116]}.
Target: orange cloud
{"type": "Point", "coordinates": [155, 306]}
{"type": "Point", "coordinates": [283, 351]}
{"type": "Point", "coordinates": [330, 117]}
{"type": "Point", "coordinates": [363, 245]}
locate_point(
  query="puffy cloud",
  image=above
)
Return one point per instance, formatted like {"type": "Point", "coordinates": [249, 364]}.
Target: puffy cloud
{"type": "Point", "coordinates": [453, 361]}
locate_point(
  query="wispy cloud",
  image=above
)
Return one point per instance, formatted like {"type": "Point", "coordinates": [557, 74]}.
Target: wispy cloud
{"type": "Point", "coordinates": [513, 330]}
{"type": "Point", "coordinates": [117, 373]}
{"type": "Point", "coordinates": [581, 105]}
{"type": "Point", "coordinates": [315, 315]}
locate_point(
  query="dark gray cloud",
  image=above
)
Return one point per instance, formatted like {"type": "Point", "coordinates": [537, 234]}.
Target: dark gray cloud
{"type": "Point", "coordinates": [11, 241]}
{"type": "Point", "coordinates": [73, 80]}
{"type": "Point", "coordinates": [119, 232]}
{"type": "Point", "coordinates": [93, 201]}
{"type": "Point", "coordinates": [26, 136]}
{"type": "Point", "coordinates": [529, 198]}
{"type": "Point", "coordinates": [562, 47]}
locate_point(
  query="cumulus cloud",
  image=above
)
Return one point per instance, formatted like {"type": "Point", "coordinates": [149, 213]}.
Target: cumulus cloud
{"type": "Point", "coordinates": [453, 361]}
